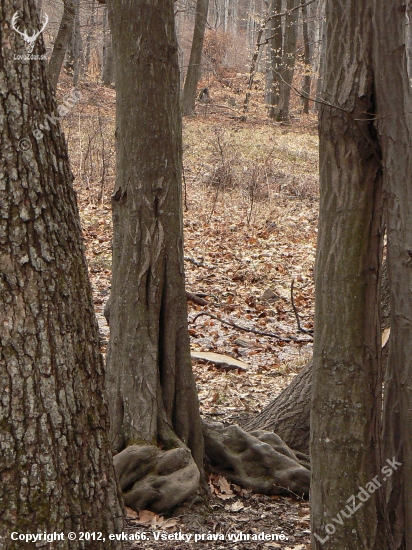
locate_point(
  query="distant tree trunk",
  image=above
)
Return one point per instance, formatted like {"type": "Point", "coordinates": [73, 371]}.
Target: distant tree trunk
{"type": "Point", "coordinates": [108, 62]}
{"type": "Point", "coordinates": [306, 46]}
{"type": "Point", "coordinates": [90, 35]}
{"type": "Point", "coordinates": [275, 52]}
{"type": "Point", "coordinates": [151, 388]}
{"type": "Point", "coordinates": [287, 68]}
{"type": "Point", "coordinates": [347, 373]}
{"type": "Point", "coordinates": [75, 48]}
{"type": "Point", "coordinates": [394, 105]}
{"type": "Point", "coordinates": [55, 459]}
{"type": "Point", "coordinates": [62, 42]}
{"type": "Point", "coordinates": [193, 70]}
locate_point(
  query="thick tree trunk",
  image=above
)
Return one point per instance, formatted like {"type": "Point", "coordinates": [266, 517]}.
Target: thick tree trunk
{"type": "Point", "coordinates": [347, 380]}
{"type": "Point", "coordinates": [151, 388]}
{"type": "Point", "coordinates": [193, 70]}
{"type": "Point", "coordinates": [56, 466]}
{"type": "Point", "coordinates": [394, 103]}
{"type": "Point", "coordinates": [62, 42]}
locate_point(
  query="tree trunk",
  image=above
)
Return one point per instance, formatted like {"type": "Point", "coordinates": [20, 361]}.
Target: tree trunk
{"type": "Point", "coordinates": [289, 414]}
{"type": "Point", "coordinates": [193, 70]}
{"type": "Point", "coordinates": [287, 68]}
{"type": "Point", "coordinates": [75, 47]}
{"type": "Point", "coordinates": [55, 459]}
{"type": "Point", "coordinates": [275, 54]}
{"type": "Point", "coordinates": [306, 46]}
{"type": "Point", "coordinates": [151, 388]}
{"type": "Point", "coordinates": [62, 42]}
{"type": "Point", "coordinates": [347, 379]}
{"type": "Point", "coordinates": [394, 103]}
{"type": "Point", "coordinates": [108, 64]}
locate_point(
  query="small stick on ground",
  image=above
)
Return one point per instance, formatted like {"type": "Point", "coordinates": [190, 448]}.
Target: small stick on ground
{"type": "Point", "coordinates": [245, 329]}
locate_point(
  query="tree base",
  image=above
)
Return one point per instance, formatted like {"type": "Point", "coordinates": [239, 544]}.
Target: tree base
{"type": "Point", "coordinates": [154, 479]}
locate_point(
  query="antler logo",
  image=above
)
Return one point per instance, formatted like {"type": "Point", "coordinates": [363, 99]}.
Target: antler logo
{"type": "Point", "coordinates": [30, 40]}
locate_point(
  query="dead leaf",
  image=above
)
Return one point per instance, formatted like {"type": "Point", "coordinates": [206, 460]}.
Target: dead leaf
{"type": "Point", "coordinates": [131, 513]}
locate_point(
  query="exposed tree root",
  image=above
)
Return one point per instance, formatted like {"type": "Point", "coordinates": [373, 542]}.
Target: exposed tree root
{"type": "Point", "coordinates": [154, 479]}
{"type": "Point", "coordinates": [258, 460]}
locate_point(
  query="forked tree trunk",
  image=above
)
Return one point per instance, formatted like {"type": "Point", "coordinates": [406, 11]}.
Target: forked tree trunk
{"type": "Point", "coordinates": [193, 70]}
{"type": "Point", "coordinates": [62, 42]}
{"type": "Point", "coordinates": [151, 388]}
{"type": "Point", "coordinates": [394, 103]}
{"type": "Point", "coordinates": [347, 380]}
{"type": "Point", "coordinates": [55, 459]}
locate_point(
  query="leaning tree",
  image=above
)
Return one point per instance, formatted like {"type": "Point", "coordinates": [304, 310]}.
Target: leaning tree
{"type": "Point", "coordinates": [55, 461]}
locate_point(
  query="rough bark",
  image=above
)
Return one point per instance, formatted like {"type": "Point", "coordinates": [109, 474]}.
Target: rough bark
{"type": "Point", "coordinates": [193, 70]}
{"type": "Point", "coordinates": [62, 42]}
{"type": "Point", "coordinates": [151, 388]}
{"type": "Point", "coordinates": [394, 108]}
{"type": "Point", "coordinates": [56, 466]}
{"type": "Point", "coordinates": [347, 381]}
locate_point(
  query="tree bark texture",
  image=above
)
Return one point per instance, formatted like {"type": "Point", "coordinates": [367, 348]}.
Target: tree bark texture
{"type": "Point", "coordinates": [151, 388]}
{"type": "Point", "coordinates": [347, 379]}
{"type": "Point", "coordinates": [62, 41]}
{"type": "Point", "coordinates": [287, 68]}
{"type": "Point", "coordinates": [394, 108]}
{"type": "Point", "coordinates": [56, 467]}
{"type": "Point", "coordinates": [194, 68]}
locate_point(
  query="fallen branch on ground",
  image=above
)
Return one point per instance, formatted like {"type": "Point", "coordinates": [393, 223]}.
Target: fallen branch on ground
{"type": "Point", "coordinates": [254, 331]}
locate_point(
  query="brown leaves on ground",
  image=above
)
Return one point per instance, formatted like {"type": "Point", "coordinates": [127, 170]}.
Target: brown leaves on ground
{"type": "Point", "coordinates": [250, 228]}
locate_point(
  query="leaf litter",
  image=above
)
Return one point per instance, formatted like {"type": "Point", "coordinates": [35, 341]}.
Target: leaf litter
{"type": "Point", "coordinates": [251, 191]}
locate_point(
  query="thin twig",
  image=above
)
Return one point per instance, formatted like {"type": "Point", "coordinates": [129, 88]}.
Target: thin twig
{"type": "Point", "coordinates": [295, 311]}
{"type": "Point", "coordinates": [245, 329]}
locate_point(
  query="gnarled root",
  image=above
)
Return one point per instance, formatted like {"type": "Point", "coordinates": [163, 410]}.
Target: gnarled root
{"type": "Point", "coordinates": [154, 479]}
{"type": "Point", "coordinates": [259, 460]}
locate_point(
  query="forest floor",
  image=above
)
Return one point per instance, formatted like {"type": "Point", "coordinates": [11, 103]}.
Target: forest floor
{"type": "Point", "coordinates": [250, 223]}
